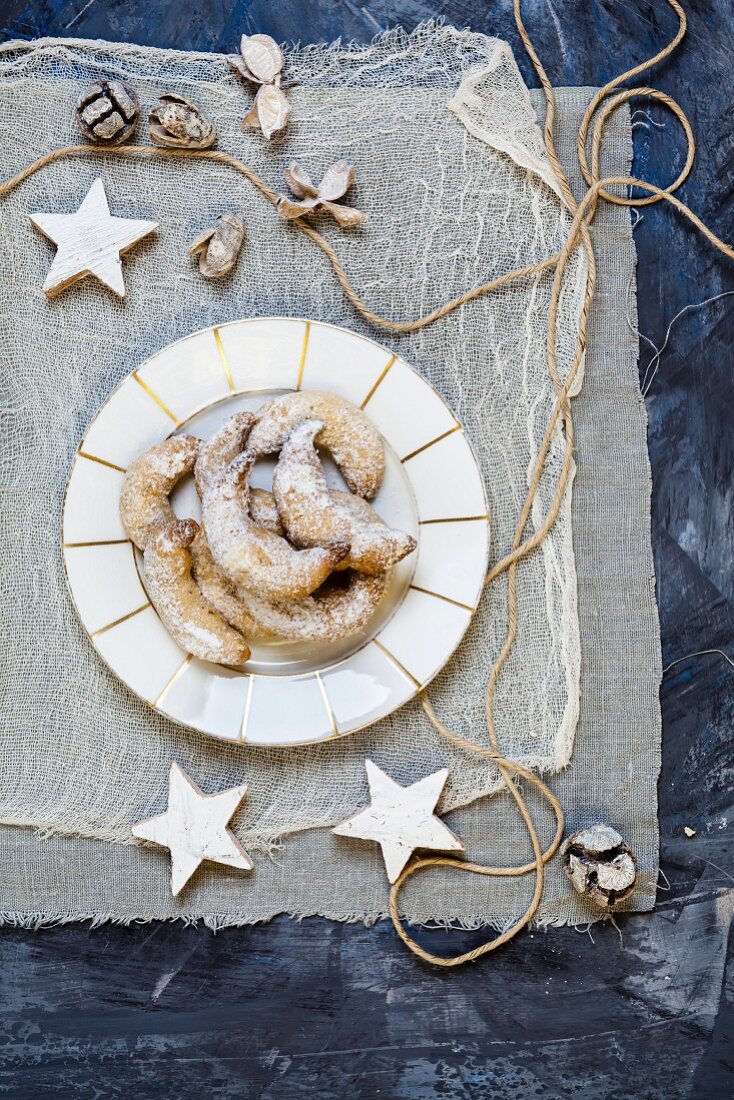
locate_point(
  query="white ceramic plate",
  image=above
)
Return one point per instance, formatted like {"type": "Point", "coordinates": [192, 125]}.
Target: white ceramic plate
{"type": "Point", "coordinates": [288, 692]}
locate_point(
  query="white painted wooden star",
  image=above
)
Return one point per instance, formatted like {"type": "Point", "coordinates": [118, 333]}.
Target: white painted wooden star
{"type": "Point", "coordinates": [194, 828]}
{"type": "Point", "coordinates": [401, 819]}
{"type": "Point", "coordinates": [89, 242]}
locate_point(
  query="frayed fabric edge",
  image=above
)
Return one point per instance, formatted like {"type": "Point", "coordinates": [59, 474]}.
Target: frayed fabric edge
{"type": "Point", "coordinates": [15, 53]}
{"type": "Point", "coordinates": [216, 922]}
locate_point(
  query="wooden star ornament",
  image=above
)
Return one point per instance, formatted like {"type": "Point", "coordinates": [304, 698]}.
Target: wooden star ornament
{"type": "Point", "coordinates": [194, 828]}
{"type": "Point", "coordinates": [89, 242]}
{"type": "Point", "coordinates": [401, 819]}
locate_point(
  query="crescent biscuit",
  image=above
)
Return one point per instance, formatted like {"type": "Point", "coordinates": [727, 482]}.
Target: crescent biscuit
{"type": "Point", "coordinates": [189, 619]}
{"type": "Point", "coordinates": [336, 612]}
{"type": "Point", "coordinates": [250, 555]}
{"type": "Point", "coordinates": [314, 516]}
{"type": "Point", "coordinates": [217, 453]}
{"type": "Point", "coordinates": [148, 483]}
{"type": "Point", "coordinates": [352, 440]}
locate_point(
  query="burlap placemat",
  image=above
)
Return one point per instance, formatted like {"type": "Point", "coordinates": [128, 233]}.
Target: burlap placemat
{"type": "Point", "coordinates": [617, 756]}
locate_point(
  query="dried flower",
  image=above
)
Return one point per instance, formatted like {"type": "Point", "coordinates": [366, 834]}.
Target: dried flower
{"type": "Point", "coordinates": [176, 123]}
{"type": "Point", "coordinates": [262, 63]}
{"type": "Point", "coordinates": [107, 112]}
{"type": "Point", "coordinates": [336, 182]}
{"type": "Point", "coordinates": [219, 246]}
{"type": "Point", "coordinates": [600, 865]}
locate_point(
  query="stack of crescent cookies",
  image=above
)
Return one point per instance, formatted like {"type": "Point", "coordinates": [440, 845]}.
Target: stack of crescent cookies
{"type": "Point", "coordinates": [303, 562]}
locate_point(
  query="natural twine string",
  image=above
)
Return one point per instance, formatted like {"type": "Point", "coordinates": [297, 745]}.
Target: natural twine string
{"type": "Point", "coordinates": [578, 236]}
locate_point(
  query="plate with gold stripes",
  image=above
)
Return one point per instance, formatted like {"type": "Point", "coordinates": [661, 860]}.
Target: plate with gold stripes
{"type": "Point", "coordinates": [288, 692]}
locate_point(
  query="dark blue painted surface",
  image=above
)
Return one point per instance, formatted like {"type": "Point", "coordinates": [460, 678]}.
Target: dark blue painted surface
{"type": "Point", "coordinates": [330, 1011]}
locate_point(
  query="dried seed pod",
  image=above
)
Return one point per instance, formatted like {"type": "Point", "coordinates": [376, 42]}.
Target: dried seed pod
{"type": "Point", "coordinates": [262, 56]}
{"type": "Point", "coordinates": [262, 63]}
{"type": "Point", "coordinates": [270, 111]}
{"type": "Point", "coordinates": [600, 865]}
{"type": "Point", "coordinates": [219, 246]}
{"type": "Point", "coordinates": [300, 183]}
{"type": "Point", "coordinates": [177, 123]}
{"type": "Point", "coordinates": [107, 112]}
{"type": "Point", "coordinates": [335, 183]}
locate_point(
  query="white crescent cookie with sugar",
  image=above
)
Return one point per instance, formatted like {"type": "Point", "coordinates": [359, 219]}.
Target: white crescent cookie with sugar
{"type": "Point", "coordinates": [314, 516]}
{"type": "Point", "coordinates": [148, 484]}
{"type": "Point", "coordinates": [177, 598]}
{"type": "Point", "coordinates": [353, 442]}
{"type": "Point", "coordinates": [254, 557]}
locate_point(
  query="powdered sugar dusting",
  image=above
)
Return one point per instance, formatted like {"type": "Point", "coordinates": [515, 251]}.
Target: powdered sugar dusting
{"type": "Point", "coordinates": [314, 515]}
{"type": "Point", "coordinates": [335, 612]}
{"type": "Point", "coordinates": [150, 480]}
{"type": "Point", "coordinates": [352, 440]}
{"type": "Point", "coordinates": [253, 556]}
{"type": "Point", "coordinates": [223, 447]}
{"type": "Point", "coordinates": [190, 620]}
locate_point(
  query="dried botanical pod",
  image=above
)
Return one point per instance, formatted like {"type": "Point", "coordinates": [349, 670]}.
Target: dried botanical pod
{"type": "Point", "coordinates": [270, 111]}
{"type": "Point", "coordinates": [262, 63]}
{"type": "Point", "coordinates": [335, 183]}
{"type": "Point", "coordinates": [600, 865]}
{"type": "Point", "coordinates": [262, 57]}
{"type": "Point", "coordinates": [219, 246]}
{"type": "Point", "coordinates": [177, 123]}
{"type": "Point", "coordinates": [107, 112]}
{"type": "Point", "coordinates": [300, 183]}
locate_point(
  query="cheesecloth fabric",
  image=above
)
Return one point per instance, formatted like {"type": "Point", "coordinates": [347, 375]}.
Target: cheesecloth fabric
{"type": "Point", "coordinates": [447, 210]}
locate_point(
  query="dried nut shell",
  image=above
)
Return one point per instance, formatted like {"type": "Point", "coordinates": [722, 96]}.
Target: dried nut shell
{"type": "Point", "coordinates": [600, 865]}
{"type": "Point", "coordinates": [177, 123]}
{"type": "Point", "coordinates": [219, 246]}
{"type": "Point", "coordinates": [262, 56]}
{"type": "Point", "coordinates": [107, 112]}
